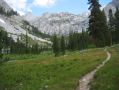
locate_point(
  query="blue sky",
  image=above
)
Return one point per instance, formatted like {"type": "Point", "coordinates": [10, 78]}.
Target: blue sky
{"type": "Point", "coordinates": [73, 6]}
{"type": "Point", "coordinates": [38, 7]}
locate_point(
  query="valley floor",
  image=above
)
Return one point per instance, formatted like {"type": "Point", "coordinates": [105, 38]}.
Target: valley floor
{"type": "Point", "coordinates": [46, 72]}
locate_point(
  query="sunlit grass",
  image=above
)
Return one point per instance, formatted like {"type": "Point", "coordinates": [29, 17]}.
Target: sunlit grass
{"type": "Point", "coordinates": [107, 78]}
{"type": "Point", "coordinates": [46, 72]}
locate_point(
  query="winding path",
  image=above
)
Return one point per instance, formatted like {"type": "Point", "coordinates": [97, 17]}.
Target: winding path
{"type": "Point", "coordinates": [85, 80]}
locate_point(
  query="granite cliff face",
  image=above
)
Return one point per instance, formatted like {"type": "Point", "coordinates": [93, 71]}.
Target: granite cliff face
{"type": "Point", "coordinates": [15, 26]}
{"type": "Point", "coordinates": [112, 5]}
{"type": "Point", "coordinates": [59, 23]}
{"type": "Point", "coordinates": [4, 5]}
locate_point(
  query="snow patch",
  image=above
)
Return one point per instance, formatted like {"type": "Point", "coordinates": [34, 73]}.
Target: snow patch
{"type": "Point", "coordinates": [40, 39]}
{"type": "Point", "coordinates": [2, 21]}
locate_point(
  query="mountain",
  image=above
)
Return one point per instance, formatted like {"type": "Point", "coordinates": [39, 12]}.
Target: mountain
{"type": "Point", "coordinates": [17, 27]}
{"type": "Point", "coordinates": [64, 22]}
{"type": "Point", "coordinates": [48, 23]}
{"type": "Point", "coordinates": [5, 5]}
{"type": "Point", "coordinates": [59, 23]}
{"type": "Point", "coordinates": [112, 5]}
{"type": "Point", "coordinates": [29, 17]}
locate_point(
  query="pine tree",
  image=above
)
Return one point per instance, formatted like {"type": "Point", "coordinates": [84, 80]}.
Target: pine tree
{"type": "Point", "coordinates": [117, 26]}
{"type": "Point", "coordinates": [84, 39]}
{"type": "Point", "coordinates": [55, 45]}
{"type": "Point", "coordinates": [1, 41]}
{"type": "Point", "coordinates": [62, 45]}
{"type": "Point", "coordinates": [105, 30]}
{"type": "Point", "coordinates": [36, 48]}
{"type": "Point", "coordinates": [26, 42]}
{"type": "Point", "coordinates": [75, 40]}
{"type": "Point", "coordinates": [11, 45]}
{"type": "Point", "coordinates": [96, 20]}
{"type": "Point", "coordinates": [18, 48]}
{"type": "Point", "coordinates": [71, 42]}
{"type": "Point", "coordinates": [111, 26]}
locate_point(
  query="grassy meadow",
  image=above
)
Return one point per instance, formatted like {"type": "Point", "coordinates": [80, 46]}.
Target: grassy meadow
{"type": "Point", "coordinates": [46, 72]}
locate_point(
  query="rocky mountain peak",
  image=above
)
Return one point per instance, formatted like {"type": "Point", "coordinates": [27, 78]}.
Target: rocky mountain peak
{"type": "Point", "coordinates": [4, 5]}
{"type": "Point", "coordinates": [115, 2]}
{"type": "Point", "coordinates": [60, 23]}
{"type": "Point", "coordinates": [112, 5]}
{"type": "Point", "coordinates": [29, 16]}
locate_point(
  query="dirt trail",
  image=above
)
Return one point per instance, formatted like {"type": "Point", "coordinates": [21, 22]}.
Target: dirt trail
{"type": "Point", "coordinates": [85, 80]}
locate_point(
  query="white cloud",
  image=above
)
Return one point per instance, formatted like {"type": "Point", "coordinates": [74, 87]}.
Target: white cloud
{"type": "Point", "coordinates": [17, 4]}
{"type": "Point", "coordinates": [44, 3]}
{"type": "Point", "coordinates": [22, 6]}
{"type": "Point", "coordinates": [21, 13]}
{"type": "Point", "coordinates": [103, 7]}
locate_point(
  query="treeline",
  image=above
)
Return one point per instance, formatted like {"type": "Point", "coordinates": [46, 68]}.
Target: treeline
{"type": "Point", "coordinates": [8, 45]}
{"type": "Point", "coordinates": [59, 45]}
{"type": "Point", "coordinates": [21, 48]}
{"type": "Point", "coordinates": [74, 41]}
{"type": "Point", "coordinates": [78, 41]}
{"type": "Point", "coordinates": [7, 13]}
{"type": "Point", "coordinates": [113, 25]}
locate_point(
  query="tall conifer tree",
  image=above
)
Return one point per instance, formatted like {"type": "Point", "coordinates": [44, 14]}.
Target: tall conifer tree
{"type": "Point", "coordinates": [55, 46]}
{"type": "Point", "coordinates": [26, 41]}
{"type": "Point", "coordinates": [105, 30]}
{"type": "Point", "coordinates": [111, 25]}
{"type": "Point", "coordinates": [62, 45]}
{"type": "Point", "coordinates": [97, 24]}
{"type": "Point", "coordinates": [117, 26]}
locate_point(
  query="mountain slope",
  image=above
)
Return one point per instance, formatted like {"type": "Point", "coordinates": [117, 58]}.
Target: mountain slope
{"type": "Point", "coordinates": [14, 25]}
{"type": "Point", "coordinates": [5, 5]}
{"type": "Point", "coordinates": [59, 23]}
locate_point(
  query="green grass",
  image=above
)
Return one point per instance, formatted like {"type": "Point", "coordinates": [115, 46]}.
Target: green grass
{"type": "Point", "coordinates": [28, 56]}
{"type": "Point", "coordinates": [107, 78]}
{"type": "Point", "coordinates": [46, 72]}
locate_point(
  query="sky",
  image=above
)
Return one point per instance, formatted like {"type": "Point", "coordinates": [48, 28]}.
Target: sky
{"type": "Point", "coordinates": [38, 7]}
